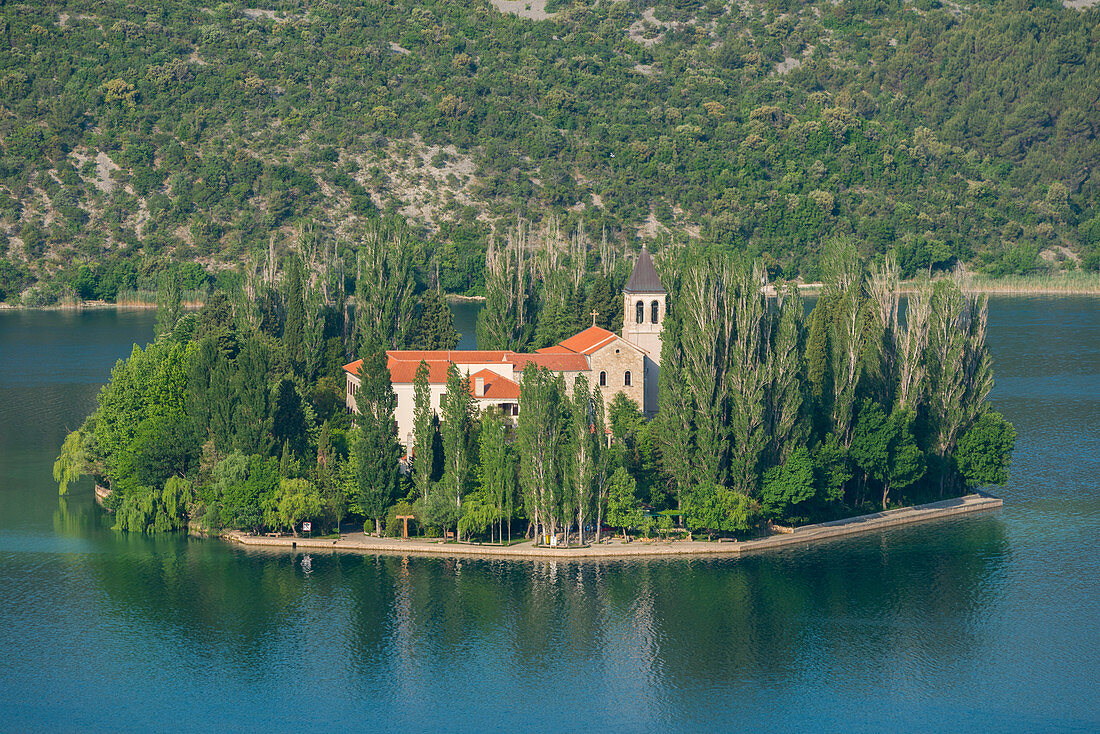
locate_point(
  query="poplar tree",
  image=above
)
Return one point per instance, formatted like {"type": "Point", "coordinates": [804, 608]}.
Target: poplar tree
{"type": "Point", "coordinates": [457, 407]}
{"type": "Point", "coordinates": [748, 376]}
{"type": "Point", "coordinates": [423, 431]}
{"type": "Point", "coordinates": [169, 301]}
{"type": "Point", "coordinates": [675, 417]}
{"type": "Point", "coordinates": [504, 321]}
{"type": "Point", "coordinates": [959, 370]}
{"type": "Point", "coordinates": [497, 467]}
{"type": "Point", "coordinates": [786, 425]}
{"type": "Point", "coordinates": [384, 291]}
{"type": "Point", "coordinates": [585, 450]}
{"type": "Point", "coordinates": [376, 446]}
{"type": "Point", "coordinates": [541, 431]}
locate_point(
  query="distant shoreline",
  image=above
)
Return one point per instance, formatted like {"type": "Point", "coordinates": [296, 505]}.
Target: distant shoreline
{"type": "Point", "coordinates": [1011, 286]}
{"type": "Point", "coordinates": [96, 306]}
{"type": "Point", "coordinates": [617, 550]}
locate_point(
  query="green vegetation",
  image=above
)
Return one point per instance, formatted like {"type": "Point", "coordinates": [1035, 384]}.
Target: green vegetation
{"type": "Point", "coordinates": [766, 415]}
{"type": "Point", "coordinates": [228, 420]}
{"type": "Point", "coordinates": [133, 137]}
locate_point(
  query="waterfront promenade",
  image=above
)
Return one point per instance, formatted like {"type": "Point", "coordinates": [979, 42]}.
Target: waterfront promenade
{"type": "Point", "coordinates": [616, 548]}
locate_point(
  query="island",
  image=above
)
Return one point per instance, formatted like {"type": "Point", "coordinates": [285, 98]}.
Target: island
{"type": "Point", "coordinates": [718, 416]}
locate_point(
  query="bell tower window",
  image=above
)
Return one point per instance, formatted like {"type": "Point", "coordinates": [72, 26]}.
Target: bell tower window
{"type": "Point", "coordinates": [654, 310]}
{"type": "Point", "coordinates": [639, 312]}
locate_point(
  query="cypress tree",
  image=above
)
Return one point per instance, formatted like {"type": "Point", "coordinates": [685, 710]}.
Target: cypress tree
{"type": "Point", "coordinates": [289, 418]}
{"type": "Point", "coordinates": [252, 414]}
{"type": "Point", "coordinates": [294, 327]}
{"type": "Point", "coordinates": [435, 325]}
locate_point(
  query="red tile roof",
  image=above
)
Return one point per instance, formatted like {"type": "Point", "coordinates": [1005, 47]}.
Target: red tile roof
{"type": "Point", "coordinates": [589, 340]}
{"type": "Point", "coordinates": [496, 386]}
{"type": "Point", "coordinates": [459, 356]}
{"type": "Point", "coordinates": [403, 363]}
{"type": "Point", "coordinates": [563, 362]}
{"type": "Point", "coordinates": [353, 368]}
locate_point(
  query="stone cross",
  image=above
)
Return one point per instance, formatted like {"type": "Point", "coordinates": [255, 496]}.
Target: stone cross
{"type": "Point", "coordinates": [594, 314]}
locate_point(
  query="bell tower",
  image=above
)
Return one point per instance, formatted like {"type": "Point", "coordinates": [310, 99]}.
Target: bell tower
{"type": "Point", "coordinates": [644, 303]}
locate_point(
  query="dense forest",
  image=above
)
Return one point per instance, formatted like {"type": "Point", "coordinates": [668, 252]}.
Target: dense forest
{"type": "Point", "coordinates": [134, 137]}
{"type": "Point", "coordinates": [234, 416]}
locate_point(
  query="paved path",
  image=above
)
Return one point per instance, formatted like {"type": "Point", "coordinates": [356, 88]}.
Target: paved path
{"type": "Point", "coordinates": [361, 543]}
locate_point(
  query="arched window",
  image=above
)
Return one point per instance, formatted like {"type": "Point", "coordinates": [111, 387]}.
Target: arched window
{"type": "Point", "coordinates": [603, 379]}
{"type": "Point", "coordinates": [626, 378]}
{"type": "Point", "coordinates": [639, 315]}
{"type": "Point", "coordinates": [654, 308]}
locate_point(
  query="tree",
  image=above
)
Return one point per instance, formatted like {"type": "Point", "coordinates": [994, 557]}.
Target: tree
{"type": "Point", "coordinates": [831, 471]}
{"type": "Point", "coordinates": [434, 328]}
{"type": "Point", "coordinates": [788, 485]}
{"type": "Point", "coordinates": [245, 483]}
{"type": "Point", "coordinates": [984, 453]}
{"type": "Point", "coordinates": [715, 508]}
{"type": "Point", "coordinates": [786, 427]}
{"type": "Point", "coordinates": [297, 500]}
{"type": "Point", "coordinates": [384, 295]}
{"type": "Point", "coordinates": [584, 449]}
{"type": "Point", "coordinates": [884, 448]}
{"type": "Point", "coordinates": [72, 463]}
{"type": "Point", "coordinates": [497, 466]}
{"type": "Point", "coordinates": [424, 422]}
{"type": "Point", "coordinates": [288, 420]}
{"type": "Point", "coordinates": [252, 418]}
{"type": "Point", "coordinates": [541, 431]}
{"type": "Point", "coordinates": [375, 443]}
{"type": "Point", "coordinates": [624, 510]}
{"type": "Point", "coordinates": [294, 324]}
{"type": "Point", "coordinates": [334, 497]}
{"type": "Point", "coordinates": [169, 301]}
{"type": "Point", "coordinates": [960, 374]}
{"type": "Point", "coordinates": [457, 405]}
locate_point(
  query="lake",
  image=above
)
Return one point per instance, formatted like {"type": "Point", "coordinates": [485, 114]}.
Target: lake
{"type": "Point", "coordinates": [989, 622]}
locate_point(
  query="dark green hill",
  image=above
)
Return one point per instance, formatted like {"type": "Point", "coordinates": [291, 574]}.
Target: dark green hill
{"type": "Point", "coordinates": [134, 135]}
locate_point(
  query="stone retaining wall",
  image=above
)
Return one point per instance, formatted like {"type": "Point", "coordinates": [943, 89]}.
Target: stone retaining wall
{"type": "Point", "coordinates": [810, 533]}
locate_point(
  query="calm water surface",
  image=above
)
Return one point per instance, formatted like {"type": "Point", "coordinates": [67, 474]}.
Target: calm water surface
{"type": "Point", "coordinates": [984, 623]}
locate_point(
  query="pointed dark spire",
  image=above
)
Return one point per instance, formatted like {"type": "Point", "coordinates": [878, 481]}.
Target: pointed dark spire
{"type": "Point", "coordinates": [644, 278]}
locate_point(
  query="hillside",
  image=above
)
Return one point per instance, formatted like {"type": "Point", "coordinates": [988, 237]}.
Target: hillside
{"type": "Point", "coordinates": [132, 136]}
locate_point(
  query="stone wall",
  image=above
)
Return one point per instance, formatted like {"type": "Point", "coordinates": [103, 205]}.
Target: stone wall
{"type": "Point", "coordinates": [616, 359]}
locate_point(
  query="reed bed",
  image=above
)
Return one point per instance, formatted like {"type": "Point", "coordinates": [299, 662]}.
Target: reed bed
{"type": "Point", "coordinates": [1075, 282]}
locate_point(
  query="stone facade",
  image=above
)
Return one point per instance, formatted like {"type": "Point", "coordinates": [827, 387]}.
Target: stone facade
{"type": "Point", "coordinates": [619, 367]}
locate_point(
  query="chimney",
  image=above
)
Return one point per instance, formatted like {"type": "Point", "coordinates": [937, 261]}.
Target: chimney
{"type": "Point", "coordinates": [479, 387]}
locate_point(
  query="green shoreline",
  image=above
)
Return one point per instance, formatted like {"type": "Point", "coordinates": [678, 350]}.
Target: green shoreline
{"type": "Point", "coordinates": [1022, 286]}
{"type": "Point", "coordinates": [861, 524]}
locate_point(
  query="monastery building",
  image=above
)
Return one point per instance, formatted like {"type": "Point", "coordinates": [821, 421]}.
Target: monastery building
{"type": "Point", "coordinates": [626, 363]}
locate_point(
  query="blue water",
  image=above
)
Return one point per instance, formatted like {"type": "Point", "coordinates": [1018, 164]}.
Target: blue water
{"type": "Point", "coordinates": [989, 622]}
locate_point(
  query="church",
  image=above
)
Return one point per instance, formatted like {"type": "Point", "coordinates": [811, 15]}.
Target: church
{"type": "Point", "coordinates": [626, 363]}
